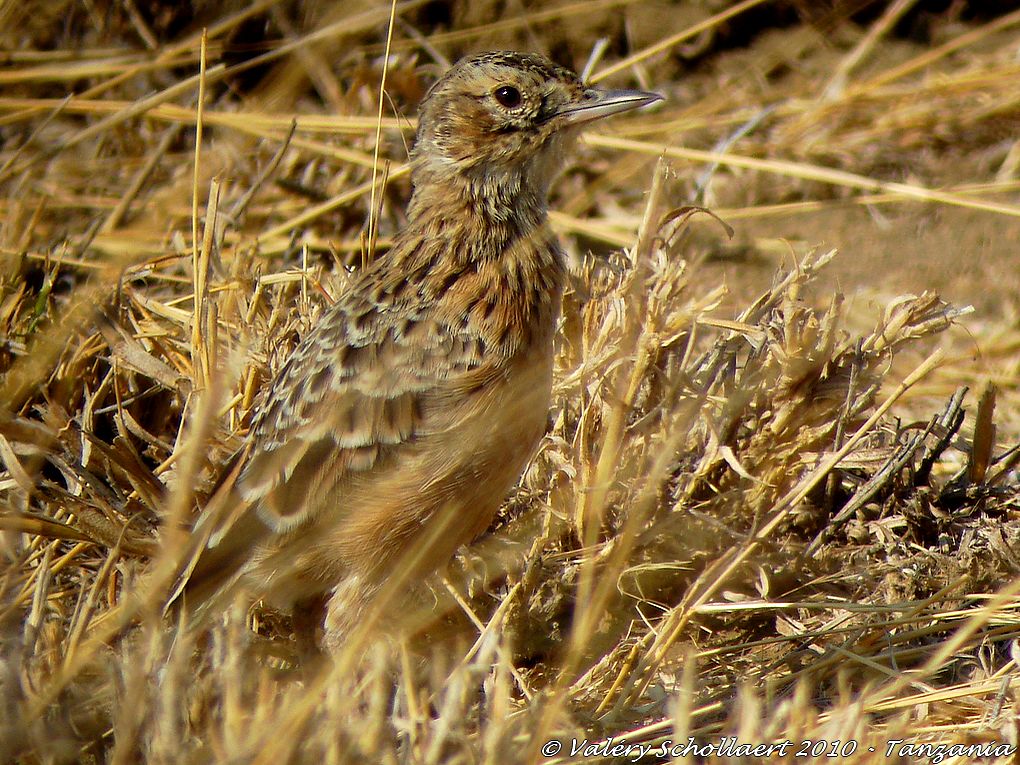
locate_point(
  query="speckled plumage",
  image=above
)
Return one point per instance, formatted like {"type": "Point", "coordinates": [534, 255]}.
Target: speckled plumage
{"type": "Point", "coordinates": [421, 393]}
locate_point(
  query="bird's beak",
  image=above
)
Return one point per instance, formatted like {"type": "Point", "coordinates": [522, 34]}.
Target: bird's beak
{"type": "Point", "coordinates": [603, 103]}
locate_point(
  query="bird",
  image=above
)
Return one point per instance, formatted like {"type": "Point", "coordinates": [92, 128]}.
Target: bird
{"type": "Point", "coordinates": [396, 427]}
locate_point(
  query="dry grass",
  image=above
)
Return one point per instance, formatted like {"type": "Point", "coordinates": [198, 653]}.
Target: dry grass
{"type": "Point", "coordinates": [768, 513]}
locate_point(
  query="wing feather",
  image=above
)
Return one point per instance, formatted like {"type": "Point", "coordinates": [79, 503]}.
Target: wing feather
{"type": "Point", "coordinates": [356, 388]}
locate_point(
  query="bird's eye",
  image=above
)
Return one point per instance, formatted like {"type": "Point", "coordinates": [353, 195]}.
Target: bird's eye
{"type": "Point", "coordinates": [507, 96]}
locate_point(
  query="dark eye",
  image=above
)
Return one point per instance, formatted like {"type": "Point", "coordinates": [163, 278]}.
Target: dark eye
{"type": "Point", "coordinates": [508, 96]}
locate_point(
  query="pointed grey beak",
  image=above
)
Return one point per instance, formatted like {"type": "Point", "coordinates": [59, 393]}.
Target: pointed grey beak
{"type": "Point", "coordinates": [603, 103]}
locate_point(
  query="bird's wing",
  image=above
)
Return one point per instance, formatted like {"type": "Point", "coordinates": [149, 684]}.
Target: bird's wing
{"type": "Point", "coordinates": [360, 385]}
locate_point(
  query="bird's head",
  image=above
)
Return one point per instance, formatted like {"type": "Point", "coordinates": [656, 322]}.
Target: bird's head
{"type": "Point", "coordinates": [500, 123]}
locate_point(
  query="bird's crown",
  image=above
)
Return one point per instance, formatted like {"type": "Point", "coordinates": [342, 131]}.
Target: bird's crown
{"type": "Point", "coordinates": [506, 112]}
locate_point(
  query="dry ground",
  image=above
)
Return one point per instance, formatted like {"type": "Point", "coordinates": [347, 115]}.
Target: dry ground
{"type": "Point", "coordinates": [778, 499]}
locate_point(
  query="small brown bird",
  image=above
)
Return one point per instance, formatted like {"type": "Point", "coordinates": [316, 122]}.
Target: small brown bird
{"type": "Point", "coordinates": [400, 422]}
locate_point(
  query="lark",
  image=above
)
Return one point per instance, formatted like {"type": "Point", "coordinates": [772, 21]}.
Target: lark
{"type": "Point", "coordinates": [400, 422]}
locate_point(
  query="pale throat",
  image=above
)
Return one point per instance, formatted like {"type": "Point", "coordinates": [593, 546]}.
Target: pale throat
{"type": "Point", "coordinates": [500, 203]}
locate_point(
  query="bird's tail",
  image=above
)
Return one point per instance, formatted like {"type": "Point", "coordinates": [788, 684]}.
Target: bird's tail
{"type": "Point", "coordinates": [220, 546]}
